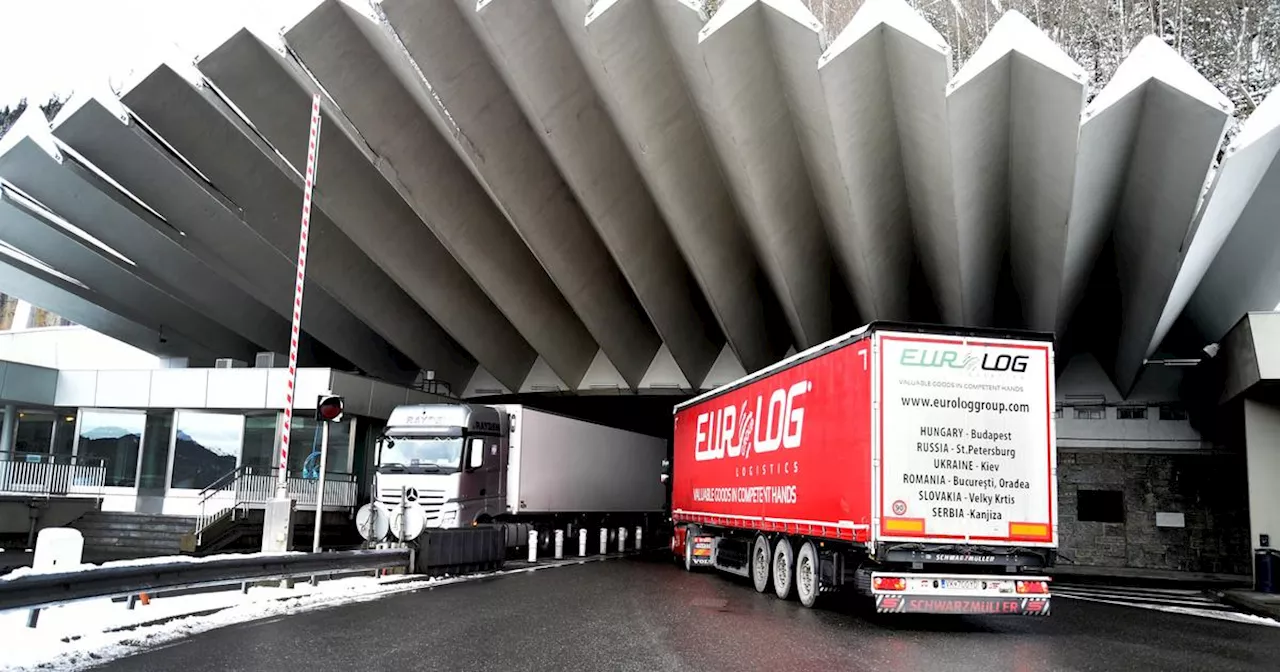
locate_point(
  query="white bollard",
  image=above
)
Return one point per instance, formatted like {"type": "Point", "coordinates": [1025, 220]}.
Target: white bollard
{"type": "Point", "coordinates": [622, 540]}
{"type": "Point", "coordinates": [639, 536]}
{"type": "Point", "coordinates": [559, 544]}
{"type": "Point", "coordinates": [604, 541]}
{"type": "Point", "coordinates": [582, 543]}
{"type": "Point", "coordinates": [533, 545]}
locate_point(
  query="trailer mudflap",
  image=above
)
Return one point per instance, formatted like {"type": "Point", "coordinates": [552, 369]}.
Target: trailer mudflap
{"type": "Point", "coordinates": [899, 593]}
{"type": "Point", "coordinates": [702, 545]}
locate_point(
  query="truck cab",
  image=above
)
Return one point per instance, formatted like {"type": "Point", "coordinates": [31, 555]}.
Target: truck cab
{"type": "Point", "coordinates": [447, 458]}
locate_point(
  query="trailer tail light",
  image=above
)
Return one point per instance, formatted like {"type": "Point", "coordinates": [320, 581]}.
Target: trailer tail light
{"type": "Point", "coordinates": [889, 583]}
{"type": "Point", "coordinates": [1033, 587]}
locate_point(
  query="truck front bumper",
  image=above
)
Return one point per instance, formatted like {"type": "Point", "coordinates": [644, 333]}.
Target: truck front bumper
{"type": "Point", "coordinates": [962, 594]}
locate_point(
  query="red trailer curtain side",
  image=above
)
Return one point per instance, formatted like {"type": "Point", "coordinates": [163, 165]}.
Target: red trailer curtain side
{"type": "Point", "coordinates": [789, 450]}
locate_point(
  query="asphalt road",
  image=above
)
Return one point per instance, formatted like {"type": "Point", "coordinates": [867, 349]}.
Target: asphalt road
{"type": "Point", "coordinates": [647, 615]}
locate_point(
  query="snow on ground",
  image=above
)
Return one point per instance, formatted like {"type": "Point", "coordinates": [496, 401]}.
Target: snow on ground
{"type": "Point", "coordinates": [139, 562]}
{"type": "Point", "coordinates": [84, 634]}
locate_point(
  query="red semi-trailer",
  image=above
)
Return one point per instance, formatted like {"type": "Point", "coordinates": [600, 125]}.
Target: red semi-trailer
{"type": "Point", "coordinates": [909, 463]}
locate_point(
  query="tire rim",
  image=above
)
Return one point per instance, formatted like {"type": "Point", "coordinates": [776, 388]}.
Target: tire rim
{"type": "Point", "coordinates": [762, 561]}
{"type": "Point", "coordinates": [804, 576]}
{"type": "Point", "coordinates": [782, 569]}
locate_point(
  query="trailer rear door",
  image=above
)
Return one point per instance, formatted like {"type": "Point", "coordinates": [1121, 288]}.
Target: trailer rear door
{"type": "Point", "coordinates": [964, 440]}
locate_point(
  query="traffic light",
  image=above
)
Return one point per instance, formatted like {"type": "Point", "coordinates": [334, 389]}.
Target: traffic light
{"type": "Point", "coordinates": [329, 408]}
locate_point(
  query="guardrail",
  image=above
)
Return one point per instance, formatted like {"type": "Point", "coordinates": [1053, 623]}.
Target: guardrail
{"type": "Point", "coordinates": [51, 475]}
{"type": "Point", "coordinates": [34, 591]}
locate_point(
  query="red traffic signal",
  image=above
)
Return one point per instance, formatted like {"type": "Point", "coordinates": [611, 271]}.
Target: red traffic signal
{"type": "Point", "coordinates": [329, 408]}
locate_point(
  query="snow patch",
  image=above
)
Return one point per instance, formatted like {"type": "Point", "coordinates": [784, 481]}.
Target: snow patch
{"type": "Point", "coordinates": [1015, 32]}
{"type": "Point", "coordinates": [1153, 59]}
{"type": "Point", "coordinates": [896, 14]}
{"type": "Point", "coordinates": [138, 562]}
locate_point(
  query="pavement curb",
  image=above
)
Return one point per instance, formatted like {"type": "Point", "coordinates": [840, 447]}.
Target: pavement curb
{"type": "Point", "coordinates": [1246, 602]}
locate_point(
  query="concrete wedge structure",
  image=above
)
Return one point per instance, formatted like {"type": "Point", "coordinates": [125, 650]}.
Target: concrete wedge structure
{"type": "Point", "coordinates": [37, 231]}
{"type": "Point", "coordinates": [735, 83]}
{"type": "Point", "coordinates": [1014, 113]}
{"type": "Point", "coordinates": [1146, 144]}
{"type": "Point", "coordinates": [488, 129]}
{"type": "Point", "coordinates": [22, 275]}
{"type": "Point", "coordinates": [114, 139]}
{"type": "Point", "coordinates": [79, 191]}
{"type": "Point", "coordinates": [1233, 264]}
{"type": "Point", "coordinates": [533, 52]}
{"type": "Point", "coordinates": [371, 213]}
{"type": "Point", "coordinates": [884, 79]}
{"type": "Point", "coordinates": [199, 124]}
{"type": "Point", "coordinates": [422, 167]}
{"type": "Point", "coordinates": [626, 52]}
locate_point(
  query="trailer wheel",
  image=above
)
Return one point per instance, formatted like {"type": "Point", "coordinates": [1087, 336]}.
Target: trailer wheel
{"type": "Point", "coordinates": [783, 568]}
{"type": "Point", "coordinates": [760, 557]}
{"type": "Point", "coordinates": [689, 533]}
{"type": "Point", "coordinates": [807, 579]}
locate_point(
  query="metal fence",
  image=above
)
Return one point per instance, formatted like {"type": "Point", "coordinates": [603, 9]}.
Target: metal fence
{"type": "Point", "coordinates": [47, 475]}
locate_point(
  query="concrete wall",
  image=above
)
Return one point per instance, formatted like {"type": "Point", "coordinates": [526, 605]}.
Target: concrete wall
{"type": "Point", "coordinates": [1084, 383]}
{"type": "Point", "coordinates": [72, 348]}
{"type": "Point", "coordinates": [1207, 489]}
{"type": "Point", "coordinates": [1262, 447]}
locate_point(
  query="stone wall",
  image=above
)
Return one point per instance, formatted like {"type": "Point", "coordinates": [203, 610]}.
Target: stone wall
{"type": "Point", "coordinates": [1210, 490]}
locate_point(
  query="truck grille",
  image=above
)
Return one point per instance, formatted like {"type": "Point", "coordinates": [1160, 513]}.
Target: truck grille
{"type": "Point", "coordinates": [431, 501]}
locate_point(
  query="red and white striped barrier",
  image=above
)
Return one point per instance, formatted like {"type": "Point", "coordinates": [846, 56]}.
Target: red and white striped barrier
{"type": "Point", "coordinates": [309, 181]}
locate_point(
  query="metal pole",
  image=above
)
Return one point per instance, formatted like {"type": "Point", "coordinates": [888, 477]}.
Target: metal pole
{"type": "Point", "coordinates": [282, 480]}
{"type": "Point", "coordinates": [324, 462]}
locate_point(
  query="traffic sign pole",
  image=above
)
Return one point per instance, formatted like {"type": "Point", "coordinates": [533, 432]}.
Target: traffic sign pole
{"type": "Point", "coordinates": [282, 479]}
{"type": "Point", "coordinates": [324, 463]}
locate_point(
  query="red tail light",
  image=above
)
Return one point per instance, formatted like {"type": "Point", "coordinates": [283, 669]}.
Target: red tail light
{"type": "Point", "coordinates": [889, 583]}
{"type": "Point", "coordinates": [1033, 587]}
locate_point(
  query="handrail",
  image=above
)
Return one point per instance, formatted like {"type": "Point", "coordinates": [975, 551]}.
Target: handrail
{"type": "Point", "coordinates": [249, 485]}
{"type": "Point", "coordinates": [38, 590]}
{"type": "Point", "coordinates": [47, 475]}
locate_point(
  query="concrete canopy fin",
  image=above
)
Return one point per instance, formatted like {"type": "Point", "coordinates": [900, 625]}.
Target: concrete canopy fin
{"type": "Point", "coordinates": [532, 51]}
{"type": "Point", "coordinates": [602, 376]}
{"type": "Point", "coordinates": [248, 171]}
{"type": "Point", "coordinates": [1238, 284]}
{"type": "Point", "coordinates": [390, 105]}
{"type": "Point", "coordinates": [495, 140]}
{"type": "Point", "coordinates": [35, 230]}
{"type": "Point", "coordinates": [483, 384]}
{"type": "Point", "coordinates": [664, 373]}
{"type": "Point", "coordinates": [30, 280]}
{"type": "Point", "coordinates": [873, 250]}
{"type": "Point", "coordinates": [884, 78]}
{"type": "Point", "coordinates": [260, 80]}
{"type": "Point", "coordinates": [542, 379]}
{"type": "Point", "coordinates": [79, 191]}
{"type": "Point", "coordinates": [212, 226]}
{"type": "Point", "coordinates": [624, 48]}
{"type": "Point", "coordinates": [326, 46]}
{"type": "Point", "coordinates": [726, 370]}
{"type": "Point", "coordinates": [1014, 115]}
{"type": "Point", "coordinates": [741, 99]}
{"type": "Point", "coordinates": [1146, 144]}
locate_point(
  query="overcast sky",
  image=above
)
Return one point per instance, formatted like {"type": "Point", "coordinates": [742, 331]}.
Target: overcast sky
{"type": "Point", "coordinates": [56, 46]}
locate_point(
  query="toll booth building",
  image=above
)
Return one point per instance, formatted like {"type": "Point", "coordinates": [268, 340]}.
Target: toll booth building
{"type": "Point", "coordinates": [157, 462]}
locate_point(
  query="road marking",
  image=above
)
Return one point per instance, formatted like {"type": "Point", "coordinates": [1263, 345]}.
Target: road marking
{"type": "Point", "coordinates": [1192, 603]}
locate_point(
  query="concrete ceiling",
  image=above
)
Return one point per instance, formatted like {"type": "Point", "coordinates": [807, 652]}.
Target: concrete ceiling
{"type": "Point", "coordinates": [591, 196]}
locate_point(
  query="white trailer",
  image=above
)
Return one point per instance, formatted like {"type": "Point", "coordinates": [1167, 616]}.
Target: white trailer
{"type": "Point", "coordinates": [469, 464]}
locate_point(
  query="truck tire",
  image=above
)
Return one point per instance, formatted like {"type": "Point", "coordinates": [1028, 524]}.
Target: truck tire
{"type": "Point", "coordinates": [808, 579]}
{"type": "Point", "coordinates": [761, 557]}
{"type": "Point", "coordinates": [689, 533]}
{"type": "Point", "coordinates": [783, 568]}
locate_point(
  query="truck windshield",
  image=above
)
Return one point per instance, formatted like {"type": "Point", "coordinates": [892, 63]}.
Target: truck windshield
{"type": "Point", "coordinates": [434, 454]}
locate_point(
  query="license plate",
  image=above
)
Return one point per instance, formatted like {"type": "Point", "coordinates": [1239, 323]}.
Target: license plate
{"type": "Point", "coordinates": [960, 584]}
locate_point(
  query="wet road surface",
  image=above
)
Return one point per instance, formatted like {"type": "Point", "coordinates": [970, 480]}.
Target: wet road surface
{"type": "Point", "coordinates": [648, 615]}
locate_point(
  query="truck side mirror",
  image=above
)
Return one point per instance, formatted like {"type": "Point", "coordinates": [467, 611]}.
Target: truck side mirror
{"type": "Point", "coordinates": [477, 454]}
